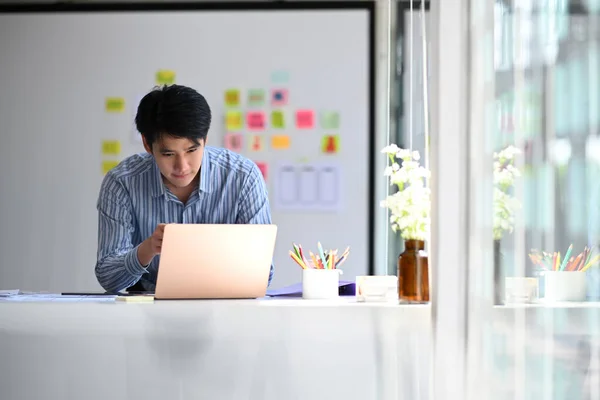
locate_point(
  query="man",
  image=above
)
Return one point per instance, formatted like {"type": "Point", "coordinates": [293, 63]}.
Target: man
{"type": "Point", "coordinates": [178, 180]}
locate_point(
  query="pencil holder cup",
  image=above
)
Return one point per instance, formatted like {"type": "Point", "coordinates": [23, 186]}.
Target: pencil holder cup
{"type": "Point", "coordinates": [565, 286]}
{"type": "Point", "coordinates": [320, 283]}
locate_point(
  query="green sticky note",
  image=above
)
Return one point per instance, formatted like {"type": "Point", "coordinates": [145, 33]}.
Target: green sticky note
{"type": "Point", "coordinates": [277, 119]}
{"type": "Point", "coordinates": [330, 120]}
{"type": "Point", "coordinates": [115, 104]}
{"type": "Point", "coordinates": [256, 97]}
{"type": "Point", "coordinates": [165, 77]}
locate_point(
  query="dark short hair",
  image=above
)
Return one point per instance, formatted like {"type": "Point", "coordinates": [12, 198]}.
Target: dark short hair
{"type": "Point", "coordinates": [173, 110]}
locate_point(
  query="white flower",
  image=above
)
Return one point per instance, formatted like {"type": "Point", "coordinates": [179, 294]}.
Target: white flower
{"type": "Point", "coordinates": [410, 206]}
{"type": "Point", "coordinates": [391, 149]}
{"type": "Point", "coordinates": [505, 205]}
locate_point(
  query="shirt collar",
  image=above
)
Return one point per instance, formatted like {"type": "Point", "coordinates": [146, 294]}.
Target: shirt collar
{"type": "Point", "coordinates": [158, 186]}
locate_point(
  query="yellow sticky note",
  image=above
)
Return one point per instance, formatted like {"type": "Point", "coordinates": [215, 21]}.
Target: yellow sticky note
{"type": "Point", "coordinates": [234, 121]}
{"type": "Point", "coordinates": [111, 147]}
{"type": "Point", "coordinates": [108, 165]}
{"type": "Point", "coordinates": [280, 142]}
{"type": "Point", "coordinates": [277, 119]}
{"type": "Point", "coordinates": [165, 77]}
{"type": "Point", "coordinates": [115, 104]}
{"type": "Point", "coordinates": [232, 98]}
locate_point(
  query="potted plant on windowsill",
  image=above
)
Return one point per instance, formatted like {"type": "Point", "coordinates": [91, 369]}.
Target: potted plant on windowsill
{"type": "Point", "coordinates": [505, 206]}
{"type": "Point", "coordinates": [409, 208]}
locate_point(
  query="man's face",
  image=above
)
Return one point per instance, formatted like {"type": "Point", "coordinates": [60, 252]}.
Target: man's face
{"type": "Point", "coordinates": [178, 159]}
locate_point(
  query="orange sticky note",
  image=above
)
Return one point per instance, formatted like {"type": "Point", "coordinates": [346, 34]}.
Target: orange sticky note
{"type": "Point", "coordinates": [330, 144]}
{"type": "Point", "coordinates": [255, 143]}
{"type": "Point", "coordinates": [233, 141]}
{"type": "Point", "coordinates": [280, 142]}
{"type": "Point", "coordinates": [305, 119]}
{"type": "Point", "coordinates": [255, 120]}
{"type": "Point", "coordinates": [234, 121]}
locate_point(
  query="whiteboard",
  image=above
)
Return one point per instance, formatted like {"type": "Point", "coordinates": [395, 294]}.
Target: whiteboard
{"type": "Point", "coordinates": [70, 83]}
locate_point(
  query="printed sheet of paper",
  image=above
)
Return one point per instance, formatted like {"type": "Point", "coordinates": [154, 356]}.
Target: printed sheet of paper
{"type": "Point", "coordinates": [307, 187]}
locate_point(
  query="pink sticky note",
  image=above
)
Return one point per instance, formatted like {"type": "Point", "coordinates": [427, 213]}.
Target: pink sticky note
{"type": "Point", "coordinates": [255, 120]}
{"type": "Point", "coordinates": [233, 141]}
{"type": "Point", "coordinates": [263, 169]}
{"type": "Point", "coordinates": [279, 97]}
{"type": "Point", "coordinates": [305, 119]}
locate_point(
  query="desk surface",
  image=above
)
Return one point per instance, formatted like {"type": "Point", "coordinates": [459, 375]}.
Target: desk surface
{"type": "Point", "coordinates": [214, 349]}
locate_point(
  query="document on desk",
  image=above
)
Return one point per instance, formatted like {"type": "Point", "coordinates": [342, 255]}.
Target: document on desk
{"type": "Point", "coordinates": [6, 293]}
{"type": "Point", "coordinates": [55, 298]}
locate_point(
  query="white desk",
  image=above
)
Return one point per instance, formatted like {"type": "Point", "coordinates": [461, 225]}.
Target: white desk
{"type": "Point", "coordinates": [228, 349]}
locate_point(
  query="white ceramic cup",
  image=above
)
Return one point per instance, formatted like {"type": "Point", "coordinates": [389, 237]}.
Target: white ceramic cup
{"type": "Point", "coordinates": [320, 283]}
{"type": "Point", "coordinates": [565, 286]}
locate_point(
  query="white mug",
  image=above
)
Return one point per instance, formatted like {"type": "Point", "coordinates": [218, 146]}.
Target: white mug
{"type": "Point", "coordinates": [565, 286]}
{"type": "Point", "coordinates": [320, 283]}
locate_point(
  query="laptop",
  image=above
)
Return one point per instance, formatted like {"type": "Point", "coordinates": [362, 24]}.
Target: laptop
{"type": "Point", "coordinates": [215, 261]}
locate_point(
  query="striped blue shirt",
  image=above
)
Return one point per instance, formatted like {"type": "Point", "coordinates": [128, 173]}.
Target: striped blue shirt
{"type": "Point", "coordinates": [133, 200]}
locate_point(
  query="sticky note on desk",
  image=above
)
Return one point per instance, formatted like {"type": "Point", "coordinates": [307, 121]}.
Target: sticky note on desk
{"type": "Point", "coordinates": [111, 147]}
{"type": "Point", "coordinates": [114, 104]}
{"type": "Point", "coordinates": [135, 299]}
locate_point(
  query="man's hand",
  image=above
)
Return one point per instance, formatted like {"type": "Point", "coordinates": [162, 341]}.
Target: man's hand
{"type": "Point", "coordinates": [151, 246]}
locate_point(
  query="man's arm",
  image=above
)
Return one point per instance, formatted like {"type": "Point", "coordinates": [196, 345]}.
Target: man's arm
{"type": "Point", "coordinates": [117, 266]}
{"type": "Point", "coordinates": [254, 205]}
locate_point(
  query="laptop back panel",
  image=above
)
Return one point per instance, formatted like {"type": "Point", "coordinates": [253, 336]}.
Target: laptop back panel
{"type": "Point", "coordinates": [206, 261]}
